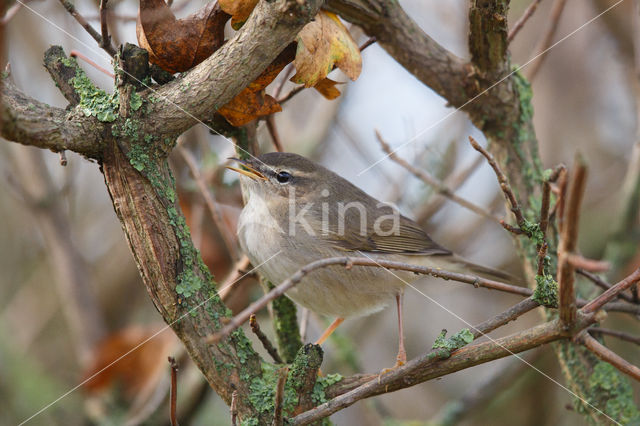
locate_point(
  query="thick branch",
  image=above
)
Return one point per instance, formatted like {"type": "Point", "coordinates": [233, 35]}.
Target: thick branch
{"type": "Point", "coordinates": [214, 82]}
{"type": "Point", "coordinates": [429, 367]}
{"type": "Point", "coordinates": [34, 123]}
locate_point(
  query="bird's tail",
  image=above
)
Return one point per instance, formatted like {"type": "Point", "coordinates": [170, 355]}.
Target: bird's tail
{"type": "Point", "coordinates": [460, 265]}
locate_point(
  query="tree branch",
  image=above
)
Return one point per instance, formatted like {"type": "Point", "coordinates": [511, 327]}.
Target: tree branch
{"type": "Point", "coordinates": [429, 366]}
{"type": "Point", "coordinates": [34, 123]}
{"type": "Point", "coordinates": [568, 244]}
{"type": "Point", "coordinates": [608, 355]}
{"type": "Point", "coordinates": [210, 85]}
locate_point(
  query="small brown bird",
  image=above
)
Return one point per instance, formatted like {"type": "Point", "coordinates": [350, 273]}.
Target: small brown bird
{"type": "Point", "coordinates": [298, 212]}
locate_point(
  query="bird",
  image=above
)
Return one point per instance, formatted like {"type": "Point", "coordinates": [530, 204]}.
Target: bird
{"type": "Point", "coordinates": [297, 211]}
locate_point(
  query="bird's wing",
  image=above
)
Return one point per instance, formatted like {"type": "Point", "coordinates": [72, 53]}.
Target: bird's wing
{"type": "Point", "coordinates": [406, 238]}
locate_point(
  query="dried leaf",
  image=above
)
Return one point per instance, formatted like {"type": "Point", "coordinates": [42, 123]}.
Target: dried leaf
{"type": "Point", "coordinates": [327, 88]}
{"type": "Point", "coordinates": [179, 45]}
{"type": "Point", "coordinates": [323, 44]}
{"type": "Point", "coordinates": [238, 9]}
{"type": "Point", "coordinates": [252, 102]}
{"type": "Point", "coordinates": [146, 357]}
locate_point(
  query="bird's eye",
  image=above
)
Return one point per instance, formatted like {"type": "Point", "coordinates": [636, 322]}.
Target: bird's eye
{"type": "Point", "coordinates": [283, 177]}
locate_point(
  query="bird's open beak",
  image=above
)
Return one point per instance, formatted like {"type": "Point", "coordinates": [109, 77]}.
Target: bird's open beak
{"type": "Point", "coordinates": [250, 172]}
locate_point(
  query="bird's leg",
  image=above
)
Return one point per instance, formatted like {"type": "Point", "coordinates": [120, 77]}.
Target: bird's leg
{"type": "Point", "coordinates": [329, 330]}
{"type": "Point", "coordinates": [402, 354]}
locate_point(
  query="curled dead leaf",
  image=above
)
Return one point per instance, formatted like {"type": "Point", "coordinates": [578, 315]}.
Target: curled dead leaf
{"type": "Point", "coordinates": [252, 102]}
{"type": "Point", "coordinates": [177, 45]}
{"type": "Point", "coordinates": [323, 44]}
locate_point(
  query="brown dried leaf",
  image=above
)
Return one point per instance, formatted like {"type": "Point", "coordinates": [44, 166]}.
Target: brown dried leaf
{"type": "Point", "coordinates": [327, 88]}
{"type": "Point", "coordinates": [238, 9]}
{"type": "Point", "coordinates": [323, 44]}
{"type": "Point", "coordinates": [179, 45]}
{"type": "Point", "coordinates": [146, 357]}
{"type": "Point", "coordinates": [252, 102]}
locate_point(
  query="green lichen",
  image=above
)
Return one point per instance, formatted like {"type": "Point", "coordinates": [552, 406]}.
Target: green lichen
{"type": "Point", "coordinates": [263, 392]}
{"type": "Point", "coordinates": [458, 340]}
{"type": "Point", "coordinates": [607, 384]}
{"type": "Point", "coordinates": [318, 395]}
{"type": "Point", "coordinates": [533, 231]}
{"type": "Point", "coordinates": [285, 323]}
{"type": "Point", "coordinates": [93, 101]}
{"type": "Point", "coordinates": [546, 292]}
{"type": "Point", "coordinates": [135, 101]}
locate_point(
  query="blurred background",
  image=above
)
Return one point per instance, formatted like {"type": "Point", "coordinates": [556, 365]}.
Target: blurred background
{"type": "Point", "coordinates": [71, 300]}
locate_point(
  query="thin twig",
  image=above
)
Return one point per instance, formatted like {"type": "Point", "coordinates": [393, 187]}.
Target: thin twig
{"type": "Point", "coordinates": [602, 284]}
{"type": "Point", "coordinates": [266, 343]}
{"type": "Point", "coordinates": [294, 279]}
{"type": "Point", "coordinates": [454, 183]}
{"type": "Point", "coordinates": [545, 43]}
{"type": "Point", "coordinates": [608, 355]}
{"type": "Point", "coordinates": [523, 20]}
{"type": "Point", "coordinates": [92, 32]}
{"type": "Point", "coordinates": [106, 40]}
{"type": "Point", "coordinates": [273, 131]}
{"type": "Point", "coordinates": [212, 205]}
{"type": "Point", "coordinates": [591, 265]}
{"type": "Point", "coordinates": [288, 72]}
{"type": "Point", "coordinates": [433, 182]}
{"type": "Point", "coordinates": [502, 179]}
{"type": "Point", "coordinates": [233, 408]}
{"type": "Point", "coordinates": [611, 293]}
{"type": "Point", "coordinates": [79, 55]}
{"type": "Point", "coordinates": [63, 158]}
{"type": "Point", "coordinates": [505, 317]}
{"type": "Point", "coordinates": [11, 12]}
{"type": "Point", "coordinates": [173, 393]}
{"type": "Point", "coordinates": [291, 94]}
{"type": "Point", "coordinates": [568, 244]}
{"type": "Point", "coordinates": [237, 272]}
{"type": "Point", "coordinates": [279, 398]}
{"type": "Point", "coordinates": [542, 255]}
{"type": "Point", "coordinates": [627, 337]}
{"type": "Point", "coordinates": [368, 43]}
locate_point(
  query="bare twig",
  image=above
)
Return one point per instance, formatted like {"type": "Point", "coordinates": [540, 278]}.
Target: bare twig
{"type": "Point", "coordinates": [627, 337]}
{"type": "Point", "coordinates": [279, 398]}
{"type": "Point", "coordinates": [291, 94]}
{"type": "Point", "coordinates": [505, 317]}
{"type": "Point", "coordinates": [233, 408]}
{"type": "Point", "coordinates": [368, 43]}
{"type": "Point", "coordinates": [212, 205]}
{"type": "Point", "coordinates": [106, 40]}
{"type": "Point", "coordinates": [63, 158]}
{"type": "Point", "coordinates": [108, 47]}
{"type": "Point", "coordinates": [77, 54]}
{"type": "Point", "coordinates": [173, 393]}
{"type": "Point", "coordinates": [542, 254]}
{"type": "Point", "coordinates": [546, 41]}
{"type": "Point", "coordinates": [591, 265]}
{"type": "Point", "coordinates": [288, 72]}
{"type": "Point", "coordinates": [568, 244]}
{"type": "Point", "coordinates": [433, 182]}
{"type": "Point", "coordinates": [236, 273]}
{"type": "Point", "coordinates": [502, 179]}
{"type": "Point", "coordinates": [11, 12]}
{"type": "Point", "coordinates": [453, 183]}
{"type": "Point", "coordinates": [273, 131]}
{"type": "Point", "coordinates": [612, 292]}
{"type": "Point", "coordinates": [608, 355]}
{"type": "Point", "coordinates": [266, 343]}
{"type": "Point", "coordinates": [523, 20]}
{"type": "Point", "coordinates": [294, 279]}
{"type": "Point", "coordinates": [602, 284]}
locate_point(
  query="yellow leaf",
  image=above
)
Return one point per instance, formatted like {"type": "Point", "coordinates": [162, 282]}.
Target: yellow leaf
{"type": "Point", "coordinates": [323, 44]}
